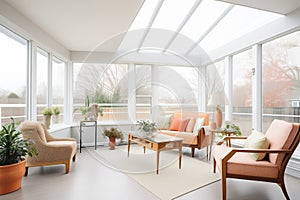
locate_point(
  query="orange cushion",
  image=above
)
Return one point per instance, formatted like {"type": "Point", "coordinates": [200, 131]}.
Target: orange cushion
{"type": "Point", "coordinates": [183, 124]}
{"type": "Point", "coordinates": [190, 125]}
{"type": "Point", "coordinates": [175, 124]}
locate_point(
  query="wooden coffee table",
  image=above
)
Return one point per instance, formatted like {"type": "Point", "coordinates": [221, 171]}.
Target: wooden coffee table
{"type": "Point", "coordinates": [158, 143]}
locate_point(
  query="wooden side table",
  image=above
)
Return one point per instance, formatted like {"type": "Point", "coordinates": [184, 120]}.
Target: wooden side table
{"type": "Point", "coordinates": [212, 137]}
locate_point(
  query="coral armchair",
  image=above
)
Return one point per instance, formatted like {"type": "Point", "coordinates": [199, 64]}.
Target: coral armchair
{"type": "Point", "coordinates": [283, 138]}
{"type": "Point", "coordinates": [51, 150]}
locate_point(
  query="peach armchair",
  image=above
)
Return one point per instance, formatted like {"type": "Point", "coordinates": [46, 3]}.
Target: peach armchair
{"type": "Point", "coordinates": [51, 150]}
{"type": "Point", "coordinates": [283, 138]}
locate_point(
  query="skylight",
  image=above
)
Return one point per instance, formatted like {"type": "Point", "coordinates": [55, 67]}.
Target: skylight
{"type": "Point", "coordinates": [207, 22]}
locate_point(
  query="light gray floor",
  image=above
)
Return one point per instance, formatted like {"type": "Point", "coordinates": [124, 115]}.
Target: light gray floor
{"type": "Point", "coordinates": [89, 179]}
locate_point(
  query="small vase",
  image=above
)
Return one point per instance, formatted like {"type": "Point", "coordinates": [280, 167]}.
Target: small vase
{"type": "Point", "coordinates": [47, 120]}
{"type": "Point", "coordinates": [112, 143]}
{"type": "Point", "coordinates": [218, 119]}
{"type": "Point", "coordinates": [212, 125]}
{"type": "Point", "coordinates": [55, 119]}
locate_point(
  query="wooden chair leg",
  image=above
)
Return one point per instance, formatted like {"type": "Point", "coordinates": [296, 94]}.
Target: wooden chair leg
{"type": "Point", "coordinates": [215, 165]}
{"type": "Point", "coordinates": [223, 188]}
{"type": "Point", "coordinates": [207, 152]}
{"type": "Point", "coordinates": [26, 171]}
{"type": "Point", "coordinates": [74, 158]}
{"type": "Point", "coordinates": [283, 188]}
{"type": "Point", "coordinates": [67, 164]}
{"type": "Point", "coordinates": [193, 151]}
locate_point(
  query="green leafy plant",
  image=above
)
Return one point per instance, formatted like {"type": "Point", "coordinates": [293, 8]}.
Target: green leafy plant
{"type": "Point", "coordinates": [13, 148]}
{"type": "Point", "coordinates": [113, 132]}
{"type": "Point", "coordinates": [146, 126]}
{"type": "Point", "coordinates": [47, 111]}
{"type": "Point", "coordinates": [230, 127]}
{"type": "Point", "coordinates": [56, 110]}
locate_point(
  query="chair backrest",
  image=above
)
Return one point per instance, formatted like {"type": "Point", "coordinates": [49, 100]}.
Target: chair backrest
{"type": "Point", "coordinates": [282, 135]}
{"type": "Point", "coordinates": [194, 115]}
{"type": "Point", "coordinates": [34, 131]}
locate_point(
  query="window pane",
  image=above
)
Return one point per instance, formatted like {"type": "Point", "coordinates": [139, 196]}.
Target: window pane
{"type": "Point", "coordinates": [143, 92]}
{"type": "Point", "coordinates": [176, 88]}
{"type": "Point", "coordinates": [42, 82]}
{"type": "Point", "coordinates": [172, 13]}
{"type": "Point", "coordinates": [215, 79]}
{"type": "Point", "coordinates": [242, 91]}
{"type": "Point", "coordinates": [281, 79]}
{"type": "Point", "coordinates": [239, 21]}
{"type": "Point", "coordinates": [105, 85]}
{"type": "Point", "coordinates": [206, 14]}
{"type": "Point", "coordinates": [58, 86]}
{"type": "Point", "coordinates": [13, 70]}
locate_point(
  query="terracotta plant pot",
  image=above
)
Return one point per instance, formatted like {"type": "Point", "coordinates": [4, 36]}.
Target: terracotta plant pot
{"type": "Point", "coordinates": [112, 143]}
{"type": "Point", "coordinates": [218, 119]}
{"type": "Point", "coordinates": [11, 177]}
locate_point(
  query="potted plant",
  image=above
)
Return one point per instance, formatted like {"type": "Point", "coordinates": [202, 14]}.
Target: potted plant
{"type": "Point", "coordinates": [47, 112]}
{"type": "Point", "coordinates": [230, 128]}
{"type": "Point", "coordinates": [56, 112]}
{"type": "Point", "coordinates": [146, 128]}
{"type": "Point", "coordinates": [112, 134]}
{"type": "Point", "coordinates": [13, 149]}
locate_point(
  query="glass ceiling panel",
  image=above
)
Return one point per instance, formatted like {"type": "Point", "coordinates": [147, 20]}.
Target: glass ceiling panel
{"type": "Point", "coordinates": [172, 14]}
{"type": "Point", "coordinates": [204, 16]}
{"type": "Point", "coordinates": [238, 22]}
{"type": "Point", "coordinates": [143, 17]}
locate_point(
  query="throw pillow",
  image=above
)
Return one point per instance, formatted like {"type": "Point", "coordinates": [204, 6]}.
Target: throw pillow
{"type": "Point", "coordinates": [257, 140]}
{"type": "Point", "coordinates": [183, 124]}
{"type": "Point", "coordinates": [190, 125]}
{"type": "Point", "coordinates": [163, 122]}
{"type": "Point", "coordinates": [199, 123]}
{"type": "Point", "coordinates": [175, 124]}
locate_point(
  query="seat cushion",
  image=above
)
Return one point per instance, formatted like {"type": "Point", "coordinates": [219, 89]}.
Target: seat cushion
{"type": "Point", "coordinates": [243, 164]}
{"type": "Point", "coordinates": [188, 138]}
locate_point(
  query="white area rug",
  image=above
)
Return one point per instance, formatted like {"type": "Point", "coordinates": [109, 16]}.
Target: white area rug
{"type": "Point", "coordinates": [171, 182]}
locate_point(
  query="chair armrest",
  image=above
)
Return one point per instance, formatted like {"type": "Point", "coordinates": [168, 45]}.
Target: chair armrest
{"type": "Point", "coordinates": [243, 150]}
{"type": "Point", "coordinates": [228, 138]}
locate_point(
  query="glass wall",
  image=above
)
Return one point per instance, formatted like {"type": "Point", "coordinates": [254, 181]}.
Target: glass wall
{"type": "Point", "coordinates": [242, 91]}
{"type": "Point", "coordinates": [281, 79]}
{"type": "Point", "coordinates": [13, 70]}
{"type": "Point", "coordinates": [105, 85]}
{"type": "Point", "coordinates": [42, 82]}
{"type": "Point", "coordinates": [215, 80]}
{"type": "Point", "coordinates": [177, 88]}
{"type": "Point", "coordinates": [58, 87]}
{"type": "Point", "coordinates": [143, 91]}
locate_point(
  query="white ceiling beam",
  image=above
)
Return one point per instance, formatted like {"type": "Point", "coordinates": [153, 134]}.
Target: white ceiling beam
{"type": "Point", "coordinates": [150, 23]}
{"type": "Point", "coordinates": [183, 23]}
{"type": "Point", "coordinates": [216, 22]}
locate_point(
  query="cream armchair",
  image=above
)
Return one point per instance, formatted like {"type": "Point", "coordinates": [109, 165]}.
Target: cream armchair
{"type": "Point", "coordinates": [51, 150]}
{"type": "Point", "coordinates": [283, 138]}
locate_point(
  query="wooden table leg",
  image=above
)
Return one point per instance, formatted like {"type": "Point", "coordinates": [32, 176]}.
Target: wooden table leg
{"type": "Point", "coordinates": [144, 149]}
{"type": "Point", "coordinates": [157, 161]}
{"type": "Point", "coordinates": [180, 154]}
{"type": "Point", "coordinates": [212, 138]}
{"type": "Point", "coordinates": [128, 146]}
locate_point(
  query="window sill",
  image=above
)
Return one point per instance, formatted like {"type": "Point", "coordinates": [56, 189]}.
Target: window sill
{"type": "Point", "coordinates": [58, 127]}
